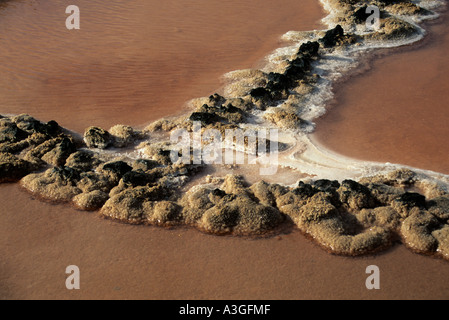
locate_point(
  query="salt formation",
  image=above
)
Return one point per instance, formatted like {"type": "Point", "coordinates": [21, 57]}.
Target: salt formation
{"type": "Point", "coordinates": [348, 207]}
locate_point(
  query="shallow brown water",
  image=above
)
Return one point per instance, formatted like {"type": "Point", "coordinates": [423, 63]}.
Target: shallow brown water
{"type": "Point", "coordinates": [397, 112]}
{"type": "Point", "coordinates": [132, 61]}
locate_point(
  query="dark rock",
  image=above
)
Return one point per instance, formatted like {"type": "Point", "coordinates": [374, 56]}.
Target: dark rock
{"type": "Point", "coordinates": [279, 82]}
{"type": "Point", "coordinates": [260, 93]}
{"type": "Point", "coordinates": [28, 123]}
{"type": "Point", "coordinates": [205, 117]}
{"type": "Point", "coordinates": [13, 168]}
{"type": "Point", "coordinates": [218, 114]}
{"type": "Point", "coordinates": [305, 190]}
{"type": "Point", "coordinates": [329, 188]}
{"type": "Point", "coordinates": [144, 165]}
{"type": "Point", "coordinates": [360, 15]}
{"type": "Point", "coordinates": [119, 168]}
{"type": "Point", "coordinates": [216, 100]}
{"type": "Point", "coordinates": [231, 109]}
{"type": "Point", "coordinates": [298, 68]}
{"type": "Point", "coordinates": [52, 128]}
{"type": "Point", "coordinates": [309, 48]}
{"type": "Point", "coordinates": [82, 160]}
{"type": "Point", "coordinates": [302, 62]}
{"type": "Point", "coordinates": [163, 157]}
{"type": "Point", "coordinates": [31, 125]}
{"type": "Point", "coordinates": [332, 37]}
{"type": "Point", "coordinates": [354, 186]}
{"type": "Point", "coordinates": [294, 72]}
{"type": "Point", "coordinates": [276, 87]}
{"type": "Point", "coordinates": [326, 185]}
{"type": "Point", "coordinates": [66, 174]}
{"type": "Point", "coordinates": [15, 147]}
{"type": "Point", "coordinates": [218, 193]}
{"type": "Point", "coordinates": [280, 78]}
{"type": "Point", "coordinates": [412, 199]}
{"type": "Point", "coordinates": [97, 138]}
{"type": "Point", "coordinates": [58, 155]}
{"type": "Point", "coordinates": [356, 195]}
{"type": "Point", "coordinates": [408, 203]}
{"type": "Point", "coordinates": [383, 193]}
{"type": "Point", "coordinates": [439, 207]}
{"type": "Point", "coordinates": [135, 179]}
{"type": "Point", "coordinates": [11, 133]}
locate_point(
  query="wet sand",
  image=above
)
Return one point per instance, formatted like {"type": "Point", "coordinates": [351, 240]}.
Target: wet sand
{"type": "Point", "coordinates": [133, 63]}
{"type": "Point", "coordinates": [117, 261]}
{"type": "Point", "coordinates": [398, 111]}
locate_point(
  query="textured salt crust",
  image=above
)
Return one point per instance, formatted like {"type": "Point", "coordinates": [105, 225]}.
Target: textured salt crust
{"type": "Point", "coordinates": [316, 160]}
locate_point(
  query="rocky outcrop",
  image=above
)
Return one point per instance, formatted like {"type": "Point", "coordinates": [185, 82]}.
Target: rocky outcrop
{"type": "Point", "coordinates": [95, 137]}
{"type": "Point", "coordinates": [27, 144]}
{"type": "Point", "coordinates": [133, 205]}
{"type": "Point", "coordinates": [218, 110]}
{"type": "Point", "coordinates": [124, 136]}
{"type": "Point", "coordinates": [83, 160]}
{"type": "Point", "coordinates": [333, 37]}
{"type": "Point", "coordinates": [392, 28]}
{"type": "Point", "coordinates": [284, 119]}
{"type": "Point", "coordinates": [12, 168]}
{"type": "Point", "coordinates": [56, 184]}
{"type": "Point", "coordinates": [232, 208]}
{"type": "Point", "coordinates": [119, 136]}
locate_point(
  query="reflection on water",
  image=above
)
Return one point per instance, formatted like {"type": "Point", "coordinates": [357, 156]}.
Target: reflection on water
{"type": "Point", "coordinates": [132, 61]}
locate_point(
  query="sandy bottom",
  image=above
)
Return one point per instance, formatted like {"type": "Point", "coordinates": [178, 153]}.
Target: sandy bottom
{"type": "Point", "coordinates": [117, 261]}
{"type": "Point", "coordinates": [397, 112]}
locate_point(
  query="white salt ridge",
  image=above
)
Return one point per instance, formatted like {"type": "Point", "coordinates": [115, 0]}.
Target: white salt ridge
{"type": "Point", "coordinates": [305, 154]}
